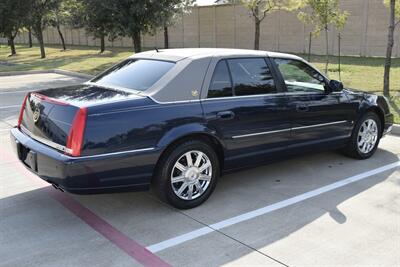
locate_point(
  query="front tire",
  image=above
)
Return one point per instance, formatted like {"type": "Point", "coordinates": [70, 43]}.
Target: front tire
{"type": "Point", "coordinates": [187, 174]}
{"type": "Point", "coordinates": [365, 138]}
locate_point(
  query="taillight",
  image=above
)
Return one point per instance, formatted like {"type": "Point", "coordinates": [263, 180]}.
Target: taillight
{"type": "Point", "coordinates": [75, 137]}
{"type": "Point", "coordinates": [21, 113]}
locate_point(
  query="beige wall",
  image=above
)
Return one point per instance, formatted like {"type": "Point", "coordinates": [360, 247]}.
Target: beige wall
{"type": "Point", "coordinates": [232, 26]}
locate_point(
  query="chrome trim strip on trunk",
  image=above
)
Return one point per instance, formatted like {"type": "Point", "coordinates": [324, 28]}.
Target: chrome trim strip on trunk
{"type": "Point", "coordinates": [115, 153]}
{"type": "Point", "coordinates": [289, 129]}
{"type": "Point", "coordinates": [45, 141]}
{"type": "Point", "coordinates": [65, 149]}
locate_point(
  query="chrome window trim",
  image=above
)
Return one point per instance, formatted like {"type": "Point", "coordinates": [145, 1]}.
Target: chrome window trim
{"type": "Point", "coordinates": [290, 129]}
{"type": "Point", "coordinates": [243, 96]}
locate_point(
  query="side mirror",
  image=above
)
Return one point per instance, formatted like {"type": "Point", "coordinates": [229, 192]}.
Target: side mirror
{"type": "Point", "coordinates": [335, 86]}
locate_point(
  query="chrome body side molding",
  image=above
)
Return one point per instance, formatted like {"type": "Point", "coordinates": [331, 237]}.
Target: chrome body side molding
{"type": "Point", "coordinates": [290, 129]}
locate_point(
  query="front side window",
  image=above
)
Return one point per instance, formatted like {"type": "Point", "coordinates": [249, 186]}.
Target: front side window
{"type": "Point", "coordinates": [136, 74]}
{"type": "Point", "coordinates": [299, 77]}
{"type": "Point", "coordinates": [251, 76]}
{"type": "Point", "coordinates": [221, 85]}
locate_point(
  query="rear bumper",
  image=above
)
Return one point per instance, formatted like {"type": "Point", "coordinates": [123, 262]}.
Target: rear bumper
{"type": "Point", "coordinates": [116, 172]}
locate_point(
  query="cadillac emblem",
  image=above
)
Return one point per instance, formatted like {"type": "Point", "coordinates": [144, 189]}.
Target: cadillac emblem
{"type": "Point", "coordinates": [195, 93]}
{"type": "Point", "coordinates": [36, 115]}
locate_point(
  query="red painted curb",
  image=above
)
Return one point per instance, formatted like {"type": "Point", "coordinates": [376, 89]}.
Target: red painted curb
{"type": "Point", "coordinates": [125, 243]}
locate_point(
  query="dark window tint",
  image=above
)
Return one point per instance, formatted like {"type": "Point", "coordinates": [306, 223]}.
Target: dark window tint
{"type": "Point", "coordinates": [251, 76]}
{"type": "Point", "coordinates": [137, 74]}
{"type": "Point", "coordinates": [221, 82]}
{"type": "Point", "coordinates": [299, 77]}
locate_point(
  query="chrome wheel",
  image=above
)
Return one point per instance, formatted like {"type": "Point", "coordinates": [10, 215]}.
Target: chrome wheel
{"type": "Point", "coordinates": [191, 175]}
{"type": "Point", "coordinates": [367, 136]}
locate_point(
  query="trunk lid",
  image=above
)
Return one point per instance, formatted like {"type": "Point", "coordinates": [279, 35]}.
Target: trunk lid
{"type": "Point", "coordinates": [49, 115]}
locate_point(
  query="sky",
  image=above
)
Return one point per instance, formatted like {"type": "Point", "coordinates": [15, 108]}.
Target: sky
{"type": "Point", "coordinates": [205, 2]}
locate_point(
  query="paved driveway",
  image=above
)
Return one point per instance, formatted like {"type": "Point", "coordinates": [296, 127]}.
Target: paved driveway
{"type": "Point", "coordinates": [313, 210]}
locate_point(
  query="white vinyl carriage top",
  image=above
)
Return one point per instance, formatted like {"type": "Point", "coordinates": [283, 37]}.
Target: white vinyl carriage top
{"type": "Point", "coordinates": [188, 80]}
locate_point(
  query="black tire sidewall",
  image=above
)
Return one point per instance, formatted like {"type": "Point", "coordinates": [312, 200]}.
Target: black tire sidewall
{"type": "Point", "coordinates": [164, 177]}
{"type": "Point", "coordinates": [354, 141]}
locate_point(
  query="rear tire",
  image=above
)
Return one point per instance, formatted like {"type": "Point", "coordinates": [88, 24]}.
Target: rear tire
{"type": "Point", "coordinates": [187, 174]}
{"type": "Point", "coordinates": [365, 137]}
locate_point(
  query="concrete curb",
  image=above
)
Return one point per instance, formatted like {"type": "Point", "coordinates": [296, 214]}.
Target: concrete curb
{"type": "Point", "coordinates": [396, 129]}
{"type": "Point", "coordinates": [57, 71]}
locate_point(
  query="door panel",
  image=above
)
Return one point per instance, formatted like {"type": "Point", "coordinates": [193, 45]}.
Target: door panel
{"type": "Point", "coordinates": [317, 116]}
{"type": "Point", "coordinates": [260, 126]}
{"type": "Point", "coordinates": [246, 110]}
{"type": "Point", "coordinates": [326, 117]}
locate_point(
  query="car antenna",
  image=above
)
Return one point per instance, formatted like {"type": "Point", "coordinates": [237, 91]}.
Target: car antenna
{"type": "Point", "coordinates": [156, 49]}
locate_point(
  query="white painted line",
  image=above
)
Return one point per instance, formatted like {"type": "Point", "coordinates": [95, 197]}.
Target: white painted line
{"type": "Point", "coordinates": [15, 92]}
{"type": "Point", "coordinates": [267, 209]}
{"type": "Point", "coordinates": [5, 130]}
{"type": "Point", "coordinates": [13, 106]}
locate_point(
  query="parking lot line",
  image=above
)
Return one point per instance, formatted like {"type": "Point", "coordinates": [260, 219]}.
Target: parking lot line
{"type": "Point", "coordinates": [267, 209]}
{"type": "Point", "coordinates": [15, 92]}
{"type": "Point", "coordinates": [125, 243]}
{"type": "Point", "coordinates": [12, 106]}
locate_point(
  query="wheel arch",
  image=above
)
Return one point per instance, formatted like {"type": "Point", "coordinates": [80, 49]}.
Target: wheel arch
{"type": "Point", "coordinates": [178, 136]}
{"type": "Point", "coordinates": [378, 111]}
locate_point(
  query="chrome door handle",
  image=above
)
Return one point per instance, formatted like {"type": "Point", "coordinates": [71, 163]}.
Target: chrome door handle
{"type": "Point", "coordinates": [225, 115]}
{"type": "Point", "coordinates": [302, 108]}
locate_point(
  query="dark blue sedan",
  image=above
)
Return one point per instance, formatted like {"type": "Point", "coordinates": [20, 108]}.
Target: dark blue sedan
{"type": "Point", "coordinates": [176, 119]}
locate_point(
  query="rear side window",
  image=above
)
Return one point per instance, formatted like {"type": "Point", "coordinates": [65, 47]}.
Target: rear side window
{"type": "Point", "coordinates": [221, 85]}
{"type": "Point", "coordinates": [251, 76]}
{"type": "Point", "coordinates": [136, 74]}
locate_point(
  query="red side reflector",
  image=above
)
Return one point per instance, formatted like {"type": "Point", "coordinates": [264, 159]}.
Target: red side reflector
{"type": "Point", "coordinates": [75, 137]}
{"type": "Point", "coordinates": [21, 113]}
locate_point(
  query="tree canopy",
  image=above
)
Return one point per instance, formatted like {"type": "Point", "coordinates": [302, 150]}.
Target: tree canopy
{"type": "Point", "coordinates": [260, 8]}
{"type": "Point", "coordinates": [323, 13]}
{"type": "Point", "coordinates": [140, 16]}
{"type": "Point", "coordinates": [13, 14]}
{"type": "Point", "coordinates": [396, 10]}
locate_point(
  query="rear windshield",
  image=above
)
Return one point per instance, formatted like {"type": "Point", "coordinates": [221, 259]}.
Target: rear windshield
{"type": "Point", "coordinates": [136, 74]}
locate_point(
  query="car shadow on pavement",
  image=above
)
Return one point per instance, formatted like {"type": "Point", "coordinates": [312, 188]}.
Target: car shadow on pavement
{"type": "Point", "coordinates": [35, 224]}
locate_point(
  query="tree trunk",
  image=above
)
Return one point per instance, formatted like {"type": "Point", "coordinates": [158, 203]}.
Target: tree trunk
{"type": "Point", "coordinates": [61, 37]}
{"type": "Point", "coordinates": [137, 42]}
{"type": "Point", "coordinates": [30, 37]}
{"type": "Point", "coordinates": [102, 43]}
{"type": "Point", "coordinates": [309, 47]}
{"type": "Point", "coordinates": [166, 40]}
{"type": "Point", "coordinates": [339, 54]}
{"type": "Point", "coordinates": [257, 34]}
{"type": "Point", "coordinates": [327, 50]}
{"type": "Point", "coordinates": [39, 35]}
{"type": "Point", "coordinates": [12, 45]}
{"type": "Point", "coordinates": [390, 43]}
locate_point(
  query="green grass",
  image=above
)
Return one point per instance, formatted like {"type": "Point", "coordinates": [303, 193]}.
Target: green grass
{"type": "Point", "coordinates": [364, 73]}
{"type": "Point", "coordinates": [76, 58]}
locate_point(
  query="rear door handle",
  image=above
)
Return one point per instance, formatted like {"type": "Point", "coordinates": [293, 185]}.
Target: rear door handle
{"type": "Point", "coordinates": [302, 108]}
{"type": "Point", "coordinates": [225, 115]}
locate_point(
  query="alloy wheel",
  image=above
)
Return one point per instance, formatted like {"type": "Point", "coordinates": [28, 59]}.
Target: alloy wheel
{"type": "Point", "coordinates": [367, 136]}
{"type": "Point", "coordinates": [191, 175]}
